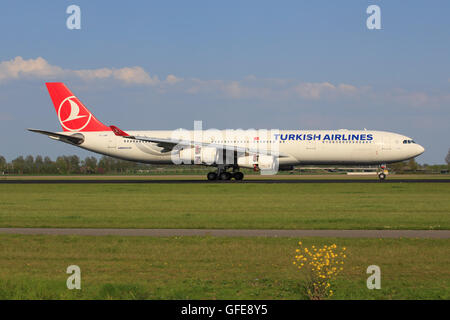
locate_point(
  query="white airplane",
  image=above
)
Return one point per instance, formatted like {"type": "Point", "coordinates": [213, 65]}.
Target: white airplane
{"type": "Point", "coordinates": [227, 150]}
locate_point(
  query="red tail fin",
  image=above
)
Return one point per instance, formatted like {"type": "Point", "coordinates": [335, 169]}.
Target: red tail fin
{"type": "Point", "coordinates": [72, 114]}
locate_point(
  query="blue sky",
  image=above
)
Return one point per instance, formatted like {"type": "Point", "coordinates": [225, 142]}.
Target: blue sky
{"type": "Point", "coordinates": [232, 64]}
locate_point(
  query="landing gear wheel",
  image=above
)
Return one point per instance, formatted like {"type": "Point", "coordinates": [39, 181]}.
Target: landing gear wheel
{"type": "Point", "coordinates": [238, 175]}
{"type": "Point", "coordinates": [225, 176]}
{"type": "Point", "coordinates": [211, 176]}
{"type": "Point", "coordinates": [381, 176]}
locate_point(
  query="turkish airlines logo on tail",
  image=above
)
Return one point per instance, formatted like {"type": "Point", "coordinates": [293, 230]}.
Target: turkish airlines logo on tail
{"type": "Point", "coordinates": [71, 116]}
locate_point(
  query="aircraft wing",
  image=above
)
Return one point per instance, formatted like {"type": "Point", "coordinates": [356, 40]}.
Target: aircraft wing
{"type": "Point", "coordinates": [169, 144]}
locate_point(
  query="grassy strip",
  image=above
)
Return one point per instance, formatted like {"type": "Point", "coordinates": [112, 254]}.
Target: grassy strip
{"type": "Point", "coordinates": [242, 206]}
{"type": "Point", "coordinates": [33, 267]}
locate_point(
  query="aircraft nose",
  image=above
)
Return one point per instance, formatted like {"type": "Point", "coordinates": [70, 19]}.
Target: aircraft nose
{"type": "Point", "coordinates": [420, 149]}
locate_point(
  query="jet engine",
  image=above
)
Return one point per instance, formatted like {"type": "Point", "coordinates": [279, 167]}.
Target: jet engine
{"type": "Point", "coordinates": [265, 163]}
{"type": "Point", "coordinates": [199, 155]}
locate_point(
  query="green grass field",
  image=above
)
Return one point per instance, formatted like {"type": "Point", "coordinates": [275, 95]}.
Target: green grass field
{"type": "Point", "coordinates": [244, 206]}
{"type": "Point", "coordinates": [33, 267]}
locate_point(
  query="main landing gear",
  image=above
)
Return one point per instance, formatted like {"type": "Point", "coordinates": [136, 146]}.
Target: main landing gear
{"type": "Point", "coordinates": [383, 173]}
{"type": "Point", "coordinates": [222, 174]}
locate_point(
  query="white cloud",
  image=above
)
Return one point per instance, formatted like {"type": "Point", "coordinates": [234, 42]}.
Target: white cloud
{"type": "Point", "coordinates": [234, 89]}
{"type": "Point", "coordinates": [94, 73]}
{"type": "Point", "coordinates": [417, 98]}
{"type": "Point", "coordinates": [315, 91]}
{"type": "Point", "coordinates": [237, 90]}
{"type": "Point", "coordinates": [271, 88]}
{"type": "Point", "coordinates": [171, 79]}
{"type": "Point", "coordinates": [18, 67]}
{"type": "Point", "coordinates": [135, 75]}
{"type": "Point", "coordinates": [347, 88]}
{"type": "Point", "coordinates": [251, 79]}
{"type": "Point", "coordinates": [39, 68]}
{"type": "Point", "coordinates": [228, 89]}
{"type": "Point", "coordinates": [196, 86]}
{"type": "Point", "coordinates": [250, 87]}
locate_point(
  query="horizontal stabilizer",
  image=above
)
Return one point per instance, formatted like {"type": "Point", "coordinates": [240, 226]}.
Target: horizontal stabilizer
{"type": "Point", "coordinates": [76, 138]}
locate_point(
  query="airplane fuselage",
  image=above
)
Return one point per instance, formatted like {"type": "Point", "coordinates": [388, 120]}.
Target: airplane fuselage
{"type": "Point", "coordinates": [297, 146]}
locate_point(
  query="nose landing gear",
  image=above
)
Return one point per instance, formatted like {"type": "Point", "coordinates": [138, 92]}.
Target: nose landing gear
{"type": "Point", "coordinates": [382, 174]}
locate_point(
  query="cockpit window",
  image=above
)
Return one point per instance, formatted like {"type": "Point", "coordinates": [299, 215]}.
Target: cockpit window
{"type": "Point", "coordinates": [408, 141]}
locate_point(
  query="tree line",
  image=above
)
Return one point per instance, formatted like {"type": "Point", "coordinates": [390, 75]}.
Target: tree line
{"type": "Point", "coordinates": [411, 166]}
{"type": "Point", "coordinates": [69, 165]}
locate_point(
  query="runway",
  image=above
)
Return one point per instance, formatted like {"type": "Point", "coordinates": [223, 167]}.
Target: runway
{"type": "Point", "coordinates": [188, 181]}
{"type": "Point", "coordinates": [430, 234]}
